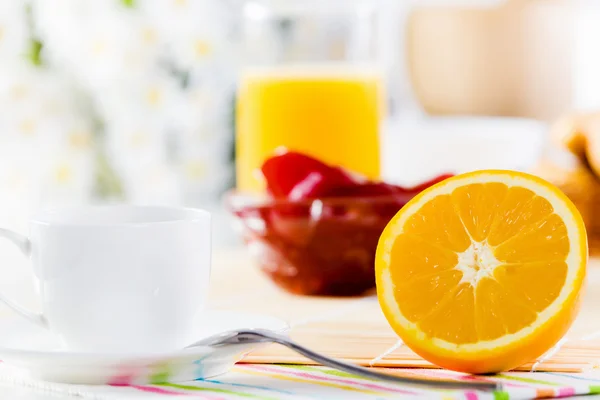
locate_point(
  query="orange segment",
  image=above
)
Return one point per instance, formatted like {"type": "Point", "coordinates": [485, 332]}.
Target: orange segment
{"type": "Point", "coordinates": [438, 223]}
{"type": "Point", "coordinates": [482, 272]}
{"type": "Point", "coordinates": [545, 240]}
{"type": "Point", "coordinates": [549, 276]}
{"type": "Point", "coordinates": [487, 318]}
{"type": "Point", "coordinates": [478, 206]}
{"type": "Point", "coordinates": [420, 257]}
{"type": "Point", "coordinates": [520, 209]}
{"type": "Point", "coordinates": [419, 297]}
{"type": "Point", "coordinates": [495, 301]}
{"type": "Point", "coordinates": [455, 322]}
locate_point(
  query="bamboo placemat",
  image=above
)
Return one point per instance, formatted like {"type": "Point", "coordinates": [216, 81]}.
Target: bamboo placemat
{"type": "Point", "coordinates": [355, 330]}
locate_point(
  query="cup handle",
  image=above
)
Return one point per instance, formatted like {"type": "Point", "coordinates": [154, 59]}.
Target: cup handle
{"type": "Point", "coordinates": [24, 244]}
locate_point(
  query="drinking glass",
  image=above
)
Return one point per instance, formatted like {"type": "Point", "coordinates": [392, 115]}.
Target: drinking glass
{"type": "Point", "coordinates": [311, 82]}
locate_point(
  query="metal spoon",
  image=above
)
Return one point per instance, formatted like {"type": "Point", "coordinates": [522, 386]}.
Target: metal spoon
{"type": "Point", "coordinates": [265, 336]}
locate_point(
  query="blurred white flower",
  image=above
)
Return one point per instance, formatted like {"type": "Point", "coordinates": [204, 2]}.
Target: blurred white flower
{"type": "Point", "coordinates": [134, 143]}
{"type": "Point", "coordinates": [67, 180]}
{"type": "Point", "coordinates": [202, 33]}
{"type": "Point", "coordinates": [14, 36]}
{"type": "Point", "coordinates": [98, 41]}
{"type": "Point", "coordinates": [158, 70]}
{"type": "Point", "coordinates": [46, 149]}
{"type": "Point", "coordinates": [149, 97]}
{"type": "Point", "coordinates": [157, 184]}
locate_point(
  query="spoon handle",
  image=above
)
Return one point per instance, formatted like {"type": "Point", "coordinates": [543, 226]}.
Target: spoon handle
{"type": "Point", "coordinates": [262, 336]}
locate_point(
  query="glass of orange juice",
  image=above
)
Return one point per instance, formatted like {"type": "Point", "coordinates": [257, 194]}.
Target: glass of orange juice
{"type": "Point", "coordinates": [313, 92]}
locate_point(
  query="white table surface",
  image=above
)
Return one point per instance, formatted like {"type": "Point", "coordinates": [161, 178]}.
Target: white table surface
{"type": "Point", "coordinates": [10, 393]}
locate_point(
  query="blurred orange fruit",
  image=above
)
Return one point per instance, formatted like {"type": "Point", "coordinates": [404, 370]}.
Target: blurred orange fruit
{"type": "Point", "coordinates": [483, 272]}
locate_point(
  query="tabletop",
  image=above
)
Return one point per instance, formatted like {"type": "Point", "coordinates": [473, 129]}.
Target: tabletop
{"type": "Point", "coordinates": [267, 381]}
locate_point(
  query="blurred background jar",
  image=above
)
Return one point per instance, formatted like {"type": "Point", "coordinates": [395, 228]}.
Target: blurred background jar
{"type": "Point", "coordinates": [313, 80]}
{"type": "Point", "coordinates": [509, 59]}
{"type": "Point", "coordinates": [484, 78]}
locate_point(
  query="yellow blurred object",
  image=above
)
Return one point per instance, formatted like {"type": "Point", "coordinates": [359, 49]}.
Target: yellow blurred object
{"type": "Point", "coordinates": [331, 113]}
{"type": "Point", "coordinates": [573, 164]}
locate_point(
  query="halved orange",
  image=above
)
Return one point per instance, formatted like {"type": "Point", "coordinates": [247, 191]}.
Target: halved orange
{"type": "Point", "coordinates": [483, 271]}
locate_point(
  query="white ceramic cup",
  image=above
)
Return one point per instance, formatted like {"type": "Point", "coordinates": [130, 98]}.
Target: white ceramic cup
{"type": "Point", "coordinates": [119, 278]}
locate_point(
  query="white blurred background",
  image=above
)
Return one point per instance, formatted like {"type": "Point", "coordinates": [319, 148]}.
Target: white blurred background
{"type": "Point", "coordinates": [107, 101]}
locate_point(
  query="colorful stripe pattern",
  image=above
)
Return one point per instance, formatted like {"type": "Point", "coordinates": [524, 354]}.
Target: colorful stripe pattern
{"type": "Point", "coordinates": [272, 382]}
{"type": "Point", "coordinates": [296, 381]}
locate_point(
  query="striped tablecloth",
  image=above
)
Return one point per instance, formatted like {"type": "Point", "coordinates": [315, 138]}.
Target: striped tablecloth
{"type": "Point", "coordinates": [270, 382]}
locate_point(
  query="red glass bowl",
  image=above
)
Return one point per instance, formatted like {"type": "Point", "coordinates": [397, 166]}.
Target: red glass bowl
{"type": "Point", "coordinates": [315, 247]}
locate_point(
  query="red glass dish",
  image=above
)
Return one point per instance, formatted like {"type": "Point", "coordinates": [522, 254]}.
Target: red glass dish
{"type": "Point", "coordinates": [316, 247]}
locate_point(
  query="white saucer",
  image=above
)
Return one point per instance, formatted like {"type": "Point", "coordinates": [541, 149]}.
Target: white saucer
{"type": "Point", "coordinates": [42, 356]}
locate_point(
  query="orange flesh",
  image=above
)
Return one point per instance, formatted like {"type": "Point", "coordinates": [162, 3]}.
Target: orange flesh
{"type": "Point", "coordinates": [512, 250]}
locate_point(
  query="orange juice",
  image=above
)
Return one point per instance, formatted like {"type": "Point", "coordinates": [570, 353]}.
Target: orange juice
{"type": "Point", "coordinates": [329, 113]}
